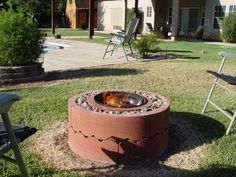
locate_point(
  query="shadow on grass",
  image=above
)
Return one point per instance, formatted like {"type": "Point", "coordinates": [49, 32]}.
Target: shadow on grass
{"type": "Point", "coordinates": [179, 56]}
{"type": "Point", "coordinates": [189, 130]}
{"type": "Point", "coordinates": [171, 54]}
{"type": "Point", "coordinates": [218, 170]}
{"type": "Point", "coordinates": [208, 127]}
{"type": "Point", "coordinates": [91, 72]}
{"type": "Point", "coordinates": [177, 51]}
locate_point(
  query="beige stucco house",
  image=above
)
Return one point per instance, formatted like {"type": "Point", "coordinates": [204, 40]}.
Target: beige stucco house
{"type": "Point", "coordinates": [181, 16]}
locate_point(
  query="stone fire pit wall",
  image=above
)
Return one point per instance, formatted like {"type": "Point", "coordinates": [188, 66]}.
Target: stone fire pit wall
{"type": "Point", "coordinates": [115, 137]}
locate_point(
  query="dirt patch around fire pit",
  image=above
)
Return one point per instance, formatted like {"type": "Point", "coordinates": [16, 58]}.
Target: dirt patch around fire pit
{"type": "Point", "coordinates": [183, 154]}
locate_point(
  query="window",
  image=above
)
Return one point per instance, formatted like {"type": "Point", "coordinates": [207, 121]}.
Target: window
{"type": "Point", "coordinates": [170, 16]}
{"type": "Point", "coordinates": [149, 11]}
{"type": "Point", "coordinates": [219, 15]}
{"type": "Point", "coordinates": [232, 9]}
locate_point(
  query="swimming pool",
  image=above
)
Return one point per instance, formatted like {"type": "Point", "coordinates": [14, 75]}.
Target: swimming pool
{"type": "Point", "coordinates": [50, 46]}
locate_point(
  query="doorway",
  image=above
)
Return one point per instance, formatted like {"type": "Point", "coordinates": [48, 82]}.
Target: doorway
{"type": "Point", "coordinates": [188, 20]}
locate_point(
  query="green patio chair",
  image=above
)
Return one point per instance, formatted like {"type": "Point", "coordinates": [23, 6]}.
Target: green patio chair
{"type": "Point", "coordinates": [12, 135]}
{"type": "Point", "coordinates": [123, 39]}
{"type": "Point", "coordinates": [229, 80]}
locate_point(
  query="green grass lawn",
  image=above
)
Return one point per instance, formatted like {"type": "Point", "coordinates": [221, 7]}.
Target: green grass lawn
{"type": "Point", "coordinates": [71, 32]}
{"type": "Point", "coordinates": [183, 81]}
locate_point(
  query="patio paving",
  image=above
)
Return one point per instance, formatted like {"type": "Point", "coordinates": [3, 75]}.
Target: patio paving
{"type": "Point", "coordinates": [77, 54]}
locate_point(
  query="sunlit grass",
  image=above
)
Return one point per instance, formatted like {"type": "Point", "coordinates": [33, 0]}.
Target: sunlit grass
{"type": "Point", "coordinates": [71, 32]}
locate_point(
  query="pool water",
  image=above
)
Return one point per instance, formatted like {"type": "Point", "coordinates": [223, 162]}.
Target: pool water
{"type": "Point", "coordinates": [50, 46]}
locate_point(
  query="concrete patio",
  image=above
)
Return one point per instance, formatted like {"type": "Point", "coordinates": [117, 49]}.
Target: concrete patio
{"type": "Point", "coordinates": [77, 54]}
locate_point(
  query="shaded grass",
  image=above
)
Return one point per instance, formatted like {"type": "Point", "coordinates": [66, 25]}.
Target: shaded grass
{"type": "Point", "coordinates": [184, 82]}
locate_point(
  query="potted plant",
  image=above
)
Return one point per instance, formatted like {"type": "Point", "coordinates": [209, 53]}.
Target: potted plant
{"type": "Point", "coordinates": [21, 45]}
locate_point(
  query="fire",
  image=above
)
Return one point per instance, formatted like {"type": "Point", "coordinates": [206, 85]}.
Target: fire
{"type": "Point", "coordinates": [114, 99]}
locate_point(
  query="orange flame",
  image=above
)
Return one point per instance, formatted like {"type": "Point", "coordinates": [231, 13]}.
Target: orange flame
{"type": "Point", "coordinates": [114, 99]}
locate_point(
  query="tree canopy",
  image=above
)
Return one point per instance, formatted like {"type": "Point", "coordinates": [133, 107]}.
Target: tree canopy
{"type": "Point", "coordinates": [36, 7]}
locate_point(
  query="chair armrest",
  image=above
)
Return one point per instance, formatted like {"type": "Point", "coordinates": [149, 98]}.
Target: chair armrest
{"type": "Point", "coordinates": [117, 35]}
{"type": "Point", "coordinates": [6, 100]}
{"type": "Point", "coordinates": [122, 31]}
{"type": "Point", "coordinates": [227, 55]}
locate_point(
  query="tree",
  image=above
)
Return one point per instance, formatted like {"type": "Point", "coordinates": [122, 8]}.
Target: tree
{"type": "Point", "coordinates": [229, 28]}
{"type": "Point", "coordinates": [40, 9]}
{"type": "Point", "coordinates": [36, 7]}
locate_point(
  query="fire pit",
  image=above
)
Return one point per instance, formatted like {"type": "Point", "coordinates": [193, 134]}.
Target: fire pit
{"type": "Point", "coordinates": [118, 126]}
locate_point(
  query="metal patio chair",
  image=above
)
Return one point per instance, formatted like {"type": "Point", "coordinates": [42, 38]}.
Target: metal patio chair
{"type": "Point", "coordinates": [228, 79]}
{"type": "Point", "coordinates": [149, 27]}
{"type": "Point", "coordinates": [123, 39]}
{"type": "Point", "coordinates": [12, 135]}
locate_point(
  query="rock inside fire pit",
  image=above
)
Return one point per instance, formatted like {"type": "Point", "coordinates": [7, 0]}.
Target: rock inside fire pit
{"type": "Point", "coordinates": [118, 126]}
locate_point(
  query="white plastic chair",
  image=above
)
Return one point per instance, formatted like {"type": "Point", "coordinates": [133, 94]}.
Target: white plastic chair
{"type": "Point", "coordinates": [12, 135]}
{"type": "Point", "coordinates": [227, 78]}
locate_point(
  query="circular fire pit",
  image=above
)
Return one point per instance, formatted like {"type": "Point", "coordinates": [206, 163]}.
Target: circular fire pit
{"type": "Point", "coordinates": [118, 126]}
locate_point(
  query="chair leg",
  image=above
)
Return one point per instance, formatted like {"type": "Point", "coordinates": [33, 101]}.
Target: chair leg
{"type": "Point", "coordinates": [209, 95]}
{"type": "Point", "coordinates": [132, 52]}
{"type": "Point", "coordinates": [113, 49]}
{"type": "Point", "coordinates": [106, 50]}
{"type": "Point", "coordinates": [125, 53]}
{"type": "Point", "coordinates": [16, 150]}
{"type": "Point", "coordinates": [231, 123]}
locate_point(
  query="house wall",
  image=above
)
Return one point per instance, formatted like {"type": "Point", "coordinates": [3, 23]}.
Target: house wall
{"type": "Point", "coordinates": [107, 22]}
{"type": "Point", "coordinates": [71, 14]}
{"type": "Point", "coordinates": [160, 10]}
{"type": "Point", "coordinates": [209, 32]}
{"type": "Point", "coordinates": [143, 5]}
{"type": "Point", "coordinates": [105, 11]}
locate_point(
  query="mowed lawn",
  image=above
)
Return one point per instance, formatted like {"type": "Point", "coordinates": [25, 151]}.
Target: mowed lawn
{"type": "Point", "coordinates": [183, 80]}
{"type": "Point", "coordinates": [72, 32]}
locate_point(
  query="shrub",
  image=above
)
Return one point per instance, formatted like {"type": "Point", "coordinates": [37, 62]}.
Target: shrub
{"type": "Point", "coordinates": [20, 41]}
{"type": "Point", "coordinates": [146, 44]}
{"type": "Point", "coordinates": [229, 28]}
